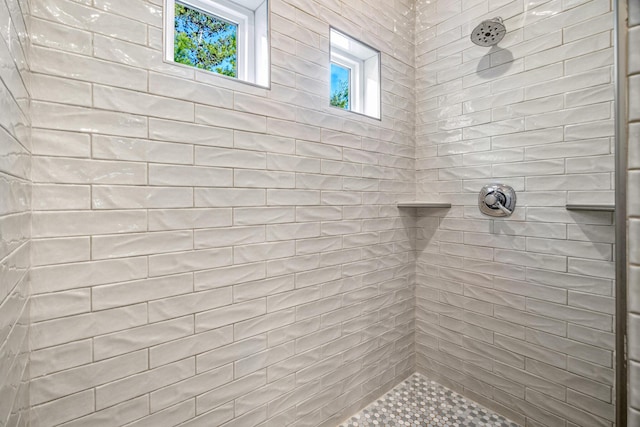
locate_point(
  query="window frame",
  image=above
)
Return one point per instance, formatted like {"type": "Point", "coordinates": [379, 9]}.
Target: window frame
{"type": "Point", "coordinates": [250, 43]}
{"type": "Point", "coordinates": [359, 76]}
{"type": "Point", "coordinates": [354, 65]}
{"type": "Point", "coordinates": [349, 81]}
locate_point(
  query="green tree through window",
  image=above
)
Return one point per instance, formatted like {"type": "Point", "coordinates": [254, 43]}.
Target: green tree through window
{"type": "Point", "coordinates": [205, 41]}
{"type": "Point", "coordinates": [340, 83]}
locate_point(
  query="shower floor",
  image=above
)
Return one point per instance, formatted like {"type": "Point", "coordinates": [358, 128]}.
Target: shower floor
{"type": "Point", "coordinates": [420, 402]}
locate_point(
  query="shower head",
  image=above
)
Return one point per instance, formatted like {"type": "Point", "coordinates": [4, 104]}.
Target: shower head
{"type": "Point", "coordinates": [489, 32]}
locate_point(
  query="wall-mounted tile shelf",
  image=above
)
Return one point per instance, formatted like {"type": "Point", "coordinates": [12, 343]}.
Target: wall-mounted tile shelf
{"type": "Point", "coordinates": [423, 205]}
{"type": "Point", "coordinates": [602, 208]}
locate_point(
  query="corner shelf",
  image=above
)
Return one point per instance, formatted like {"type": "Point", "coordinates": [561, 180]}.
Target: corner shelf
{"type": "Point", "coordinates": [423, 205]}
{"type": "Point", "coordinates": [600, 208]}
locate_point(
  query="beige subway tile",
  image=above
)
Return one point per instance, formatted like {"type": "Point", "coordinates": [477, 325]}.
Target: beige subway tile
{"type": "Point", "coordinates": [60, 304]}
{"type": "Point", "coordinates": [58, 251]}
{"type": "Point", "coordinates": [184, 262]}
{"type": "Point", "coordinates": [228, 276]}
{"type": "Point", "coordinates": [230, 353]}
{"type": "Point", "coordinates": [227, 315]}
{"type": "Point", "coordinates": [126, 245]}
{"type": "Point", "coordinates": [79, 275]}
{"type": "Point", "coordinates": [189, 346]}
{"type": "Point", "coordinates": [58, 358]}
{"type": "Point", "coordinates": [119, 414]}
{"type": "Point", "coordinates": [232, 390]}
{"type": "Point", "coordinates": [64, 409]}
{"type": "Point", "coordinates": [67, 382]}
{"type": "Point", "coordinates": [143, 383]}
{"type": "Point", "coordinates": [189, 303]}
{"type": "Point", "coordinates": [190, 387]}
{"type": "Point", "coordinates": [71, 328]}
{"type": "Point", "coordinates": [177, 219]}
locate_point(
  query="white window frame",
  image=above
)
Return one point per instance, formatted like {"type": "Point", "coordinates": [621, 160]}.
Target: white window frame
{"type": "Point", "coordinates": [365, 80]}
{"type": "Point", "coordinates": [252, 56]}
{"type": "Point", "coordinates": [354, 65]}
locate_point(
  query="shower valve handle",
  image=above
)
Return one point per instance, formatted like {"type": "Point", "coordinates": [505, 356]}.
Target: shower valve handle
{"type": "Point", "coordinates": [492, 200]}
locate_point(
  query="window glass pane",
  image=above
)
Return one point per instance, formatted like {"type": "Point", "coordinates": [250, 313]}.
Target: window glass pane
{"type": "Point", "coordinates": [205, 41]}
{"type": "Point", "coordinates": [340, 86]}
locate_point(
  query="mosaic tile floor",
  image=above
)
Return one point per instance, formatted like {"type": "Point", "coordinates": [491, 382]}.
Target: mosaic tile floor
{"type": "Point", "coordinates": [418, 402]}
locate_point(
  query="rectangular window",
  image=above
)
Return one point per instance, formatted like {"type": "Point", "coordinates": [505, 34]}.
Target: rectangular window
{"type": "Point", "coordinates": [205, 41]}
{"type": "Point", "coordinates": [226, 37]}
{"type": "Point", "coordinates": [358, 65]}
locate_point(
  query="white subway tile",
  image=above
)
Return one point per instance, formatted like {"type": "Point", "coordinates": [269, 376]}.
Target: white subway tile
{"type": "Point", "coordinates": [174, 219]}
{"type": "Point", "coordinates": [141, 150]}
{"type": "Point", "coordinates": [126, 245]}
{"type": "Point", "coordinates": [226, 197]}
{"type": "Point", "coordinates": [145, 382]}
{"type": "Point", "coordinates": [189, 346]}
{"type": "Point", "coordinates": [571, 314]}
{"type": "Point", "coordinates": [77, 379]}
{"type": "Point", "coordinates": [189, 176]}
{"type": "Point", "coordinates": [85, 68]}
{"type": "Point", "coordinates": [49, 34]}
{"type": "Point", "coordinates": [182, 305]}
{"type": "Point", "coordinates": [189, 133]}
{"type": "Point", "coordinates": [55, 89]}
{"type": "Point", "coordinates": [67, 329]}
{"type": "Point", "coordinates": [221, 117]}
{"type": "Point", "coordinates": [125, 197]}
{"type": "Point", "coordinates": [227, 315]}
{"type": "Point", "coordinates": [77, 171]}
{"type": "Point", "coordinates": [263, 251]}
{"type": "Point", "coordinates": [264, 142]}
{"type": "Point", "coordinates": [185, 262]}
{"type": "Point", "coordinates": [211, 156]}
{"type": "Point", "coordinates": [63, 409]}
{"type": "Point", "coordinates": [79, 275]}
{"type": "Point", "coordinates": [189, 90]}
{"type": "Point", "coordinates": [569, 116]}
{"type": "Point", "coordinates": [119, 414]}
{"type": "Point", "coordinates": [230, 391]}
{"type": "Point", "coordinates": [264, 213]}
{"type": "Point", "coordinates": [110, 345]}
{"type": "Point", "coordinates": [87, 18]}
{"type": "Point", "coordinates": [189, 388]}
{"type": "Point", "coordinates": [62, 357]}
{"type": "Point", "coordinates": [60, 304]}
{"type": "Point", "coordinates": [168, 417]}
{"type": "Point", "coordinates": [56, 143]}
{"type": "Point", "coordinates": [110, 296]}
{"type": "Point", "coordinates": [58, 251]}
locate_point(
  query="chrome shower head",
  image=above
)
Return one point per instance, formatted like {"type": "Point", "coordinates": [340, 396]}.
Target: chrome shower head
{"type": "Point", "coordinates": [489, 32]}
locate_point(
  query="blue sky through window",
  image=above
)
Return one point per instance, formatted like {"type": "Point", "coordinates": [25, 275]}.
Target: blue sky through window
{"type": "Point", "coordinates": [340, 86]}
{"type": "Point", "coordinates": [205, 41]}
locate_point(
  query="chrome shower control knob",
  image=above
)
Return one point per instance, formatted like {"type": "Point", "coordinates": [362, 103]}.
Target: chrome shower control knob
{"type": "Point", "coordinates": [491, 199]}
{"type": "Point", "coordinates": [497, 200]}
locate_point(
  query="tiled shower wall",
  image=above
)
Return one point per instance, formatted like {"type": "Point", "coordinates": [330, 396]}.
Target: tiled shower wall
{"type": "Point", "coordinates": [15, 206]}
{"type": "Point", "coordinates": [633, 211]}
{"type": "Point", "coordinates": [517, 313]}
{"type": "Point", "coordinates": [207, 252]}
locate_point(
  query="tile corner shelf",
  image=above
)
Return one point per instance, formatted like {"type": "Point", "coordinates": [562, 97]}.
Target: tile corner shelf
{"type": "Point", "coordinates": [595, 207]}
{"type": "Point", "coordinates": [423, 205]}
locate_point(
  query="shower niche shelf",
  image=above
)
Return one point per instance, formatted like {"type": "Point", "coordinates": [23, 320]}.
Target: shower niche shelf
{"type": "Point", "coordinates": [599, 207]}
{"type": "Point", "coordinates": [417, 204]}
